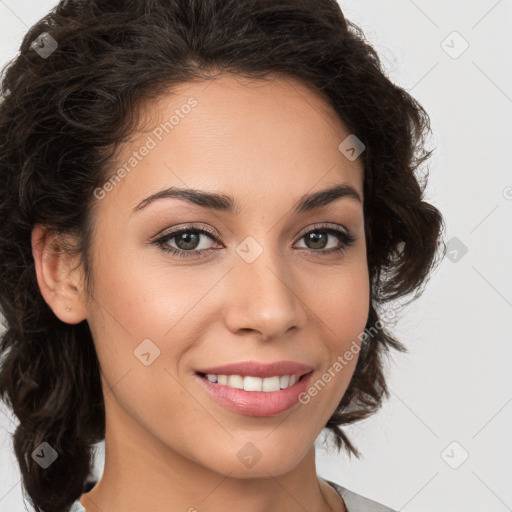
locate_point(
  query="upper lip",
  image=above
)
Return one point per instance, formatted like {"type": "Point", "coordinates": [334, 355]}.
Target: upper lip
{"type": "Point", "coordinates": [257, 369]}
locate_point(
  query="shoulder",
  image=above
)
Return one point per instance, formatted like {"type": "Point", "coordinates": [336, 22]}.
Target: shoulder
{"type": "Point", "coordinates": [357, 503]}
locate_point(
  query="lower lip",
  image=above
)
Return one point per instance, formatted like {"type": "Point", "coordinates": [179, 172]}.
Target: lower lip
{"type": "Point", "coordinates": [257, 403]}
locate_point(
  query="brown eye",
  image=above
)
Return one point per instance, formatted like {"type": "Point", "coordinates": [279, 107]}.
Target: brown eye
{"type": "Point", "coordinates": [187, 242]}
{"type": "Point", "coordinates": [317, 239]}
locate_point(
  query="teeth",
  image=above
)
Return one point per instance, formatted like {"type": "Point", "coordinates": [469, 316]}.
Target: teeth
{"type": "Point", "coordinates": [269, 384]}
{"type": "Point", "coordinates": [250, 383]}
{"type": "Point", "coordinates": [236, 381]}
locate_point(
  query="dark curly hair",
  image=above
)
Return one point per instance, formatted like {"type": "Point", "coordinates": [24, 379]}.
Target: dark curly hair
{"type": "Point", "coordinates": [63, 113]}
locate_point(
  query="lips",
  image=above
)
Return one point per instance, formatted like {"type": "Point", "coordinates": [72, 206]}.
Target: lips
{"type": "Point", "coordinates": [256, 403]}
{"type": "Point", "coordinates": [256, 369]}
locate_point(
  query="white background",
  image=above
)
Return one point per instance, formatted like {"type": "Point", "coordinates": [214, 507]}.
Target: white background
{"type": "Point", "coordinates": [454, 385]}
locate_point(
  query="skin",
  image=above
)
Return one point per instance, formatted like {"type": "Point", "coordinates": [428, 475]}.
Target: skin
{"type": "Point", "coordinates": [169, 445]}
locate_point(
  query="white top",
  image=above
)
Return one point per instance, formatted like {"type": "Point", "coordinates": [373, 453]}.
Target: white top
{"type": "Point", "coordinates": [77, 507]}
{"type": "Point", "coordinates": [354, 502]}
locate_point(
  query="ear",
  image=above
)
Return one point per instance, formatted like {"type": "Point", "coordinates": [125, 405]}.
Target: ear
{"type": "Point", "coordinates": [59, 279]}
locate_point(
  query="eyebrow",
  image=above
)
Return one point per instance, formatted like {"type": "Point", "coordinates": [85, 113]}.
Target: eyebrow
{"type": "Point", "coordinates": [225, 203]}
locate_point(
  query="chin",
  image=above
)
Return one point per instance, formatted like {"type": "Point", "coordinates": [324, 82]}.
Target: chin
{"type": "Point", "coordinates": [259, 459]}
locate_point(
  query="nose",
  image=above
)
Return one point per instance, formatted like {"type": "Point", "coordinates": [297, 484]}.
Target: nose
{"type": "Point", "coordinates": [263, 297]}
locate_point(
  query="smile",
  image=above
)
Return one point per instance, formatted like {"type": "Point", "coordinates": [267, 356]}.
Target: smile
{"type": "Point", "coordinates": [255, 396]}
{"type": "Point", "coordinates": [251, 383]}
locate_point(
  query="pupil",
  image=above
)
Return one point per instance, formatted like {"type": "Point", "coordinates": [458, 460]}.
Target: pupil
{"type": "Point", "coordinates": [316, 238]}
{"type": "Point", "coordinates": [192, 238]}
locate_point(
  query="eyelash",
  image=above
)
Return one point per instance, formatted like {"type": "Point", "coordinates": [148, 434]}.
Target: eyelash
{"type": "Point", "coordinates": [346, 238]}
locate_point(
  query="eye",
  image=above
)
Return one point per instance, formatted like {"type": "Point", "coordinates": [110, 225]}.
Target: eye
{"type": "Point", "coordinates": [317, 239]}
{"type": "Point", "coordinates": [188, 241]}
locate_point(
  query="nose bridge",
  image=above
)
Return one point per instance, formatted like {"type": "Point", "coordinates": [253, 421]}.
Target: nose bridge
{"type": "Point", "coordinates": [261, 290]}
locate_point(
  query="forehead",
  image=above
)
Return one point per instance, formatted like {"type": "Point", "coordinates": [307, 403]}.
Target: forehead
{"type": "Point", "coordinates": [237, 134]}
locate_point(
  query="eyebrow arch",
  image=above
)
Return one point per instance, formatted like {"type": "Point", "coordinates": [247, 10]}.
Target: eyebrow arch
{"type": "Point", "coordinates": [225, 203]}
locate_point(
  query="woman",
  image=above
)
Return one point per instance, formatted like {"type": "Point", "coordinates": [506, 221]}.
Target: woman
{"type": "Point", "coordinates": [206, 206]}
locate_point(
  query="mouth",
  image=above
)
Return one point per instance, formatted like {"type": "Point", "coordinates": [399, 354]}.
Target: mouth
{"type": "Point", "coordinates": [255, 396]}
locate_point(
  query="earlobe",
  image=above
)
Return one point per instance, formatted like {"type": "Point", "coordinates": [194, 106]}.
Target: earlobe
{"type": "Point", "coordinates": [58, 277]}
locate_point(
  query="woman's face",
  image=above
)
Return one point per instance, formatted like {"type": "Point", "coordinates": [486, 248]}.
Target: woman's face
{"type": "Point", "coordinates": [266, 285]}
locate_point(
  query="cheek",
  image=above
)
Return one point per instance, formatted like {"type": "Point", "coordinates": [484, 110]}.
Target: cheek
{"type": "Point", "coordinates": [342, 302]}
{"type": "Point", "coordinates": [349, 310]}
{"type": "Point", "coordinates": [341, 299]}
{"type": "Point", "coordinates": [350, 319]}
{"type": "Point", "coordinates": [144, 312]}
